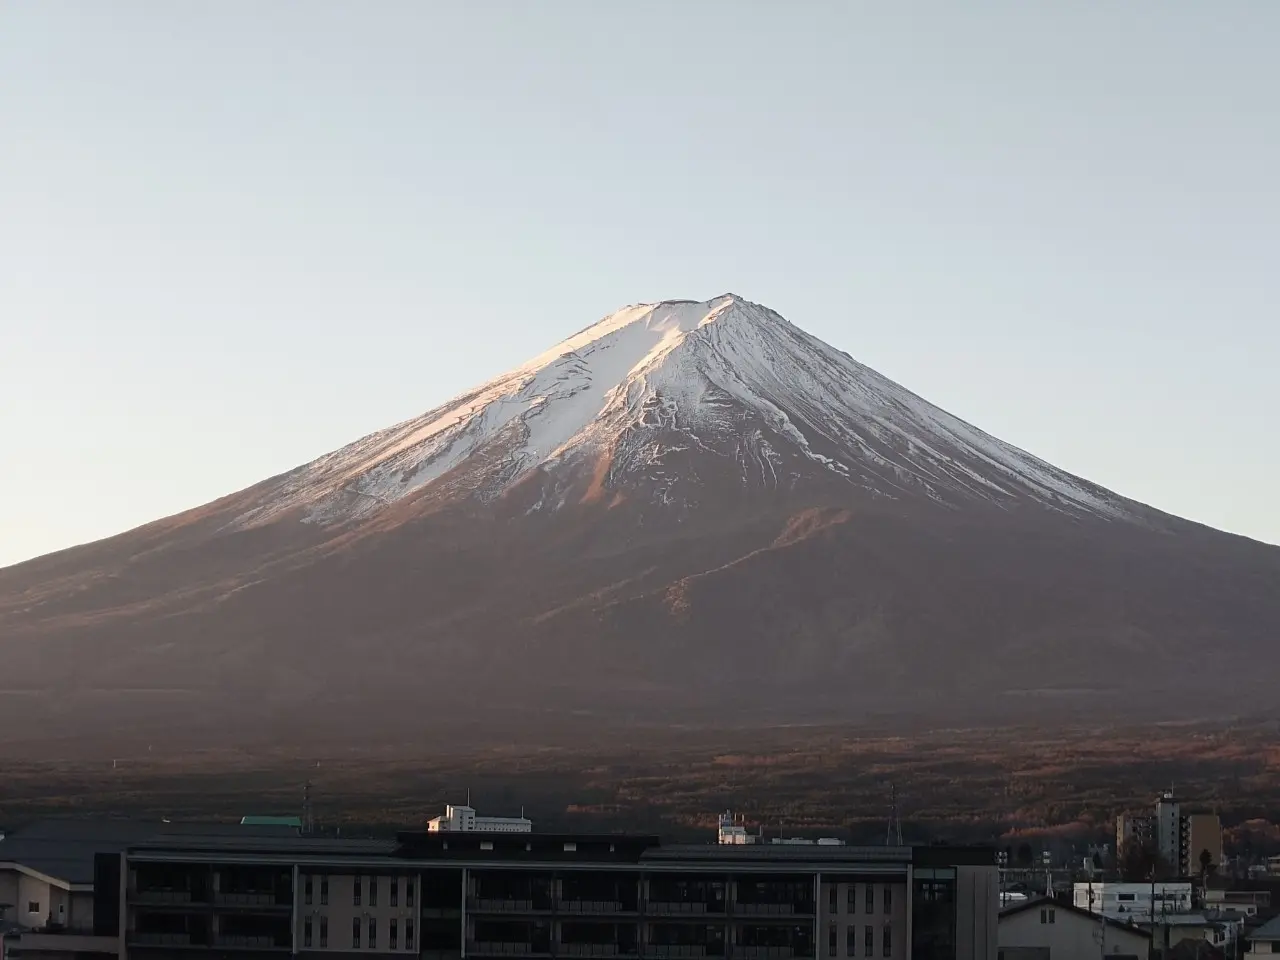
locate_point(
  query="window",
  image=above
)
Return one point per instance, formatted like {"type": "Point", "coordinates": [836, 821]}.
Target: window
{"type": "Point", "coordinates": [851, 903]}
{"type": "Point", "coordinates": [373, 891]}
{"type": "Point", "coordinates": [306, 932]}
{"type": "Point", "coordinates": [888, 899]}
{"type": "Point", "coordinates": [357, 888]}
{"type": "Point", "coordinates": [373, 933]}
{"type": "Point", "coordinates": [33, 906]}
{"type": "Point", "coordinates": [886, 941]}
{"type": "Point", "coordinates": [408, 895]}
{"type": "Point", "coordinates": [570, 847]}
{"type": "Point", "coordinates": [869, 942]}
{"type": "Point", "coordinates": [833, 906]}
{"type": "Point", "coordinates": [851, 939]}
{"type": "Point", "coordinates": [1044, 916]}
{"type": "Point", "coordinates": [393, 935]}
{"type": "Point", "coordinates": [355, 933]}
{"type": "Point", "coordinates": [871, 898]}
{"type": "Point", "coordinates": [306, 888]}
{"type": "Point", "coordinates": [324, 931]}
{"type": "Point", "coordinates": [408, 929]}
{"type": "Point", "coordinates": [395, 891]}
{"type": "Point", "coordinates": [831, 940]}
{"type": "Point", "coordinates": [324, 890]}
{"type": "Point", "coordinates": [1053, 915]}
{"type": "Point", "coordinates": [486, 844]}
{"type": "Point", "coordinates": [1124, 896]}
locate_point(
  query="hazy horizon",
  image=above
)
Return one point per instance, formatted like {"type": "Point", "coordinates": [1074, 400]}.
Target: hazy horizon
{"type": "Point", "coordinates": [238, 237]}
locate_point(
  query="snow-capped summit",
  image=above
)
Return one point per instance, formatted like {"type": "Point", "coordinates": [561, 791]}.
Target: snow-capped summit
{"type": "Point", "coordinates": [656, 400]}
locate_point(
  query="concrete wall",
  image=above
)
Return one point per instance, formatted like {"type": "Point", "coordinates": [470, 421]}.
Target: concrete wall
{"type": "Point", "coordinates": [1070, 936]}
{"type": "Point", "coordinates": [342, 910]}
{"type": "Point", "coordinates": [977, 912]}
{"type": "Point", "coordinates": [843, 918]}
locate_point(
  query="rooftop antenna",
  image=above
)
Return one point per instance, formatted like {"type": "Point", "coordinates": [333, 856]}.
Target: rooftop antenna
{"type": "Point", "coordinates": [893, 834]}
{"type": "Point", "coordinates": [308, 824]}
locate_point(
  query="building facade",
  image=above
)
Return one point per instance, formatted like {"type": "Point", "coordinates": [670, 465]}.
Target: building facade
{"type": "Point", "coordinates": [456, 896]}
{"type": "Point", "coordinates": [1179, 839]}
{"type": "Point", "coordinates": [463, 819]}
{"type": "Point", "coordinates": [1134, 902]}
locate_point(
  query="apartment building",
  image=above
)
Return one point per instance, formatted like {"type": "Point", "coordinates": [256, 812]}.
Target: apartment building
{"type": "Point", "coordinates": [1178, 838]}
{"type": "Point", "coordinates": [459, 895]}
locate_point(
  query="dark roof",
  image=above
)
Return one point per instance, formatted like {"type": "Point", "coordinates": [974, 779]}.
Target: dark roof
{"type": "Point", "coordinates": [64, 849]}
{"type": "Point", "coordinates": [1268, 931]}
{"type": "Point", "coordinates": [291, 843]}
{"type": "Point", "coordinates": [787, 852]}
{"type": "Point", "coordinates": [1066, 907]}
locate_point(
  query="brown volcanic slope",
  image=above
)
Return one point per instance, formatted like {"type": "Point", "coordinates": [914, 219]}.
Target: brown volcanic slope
{"type": "Point", "coordinates": [687, 513]}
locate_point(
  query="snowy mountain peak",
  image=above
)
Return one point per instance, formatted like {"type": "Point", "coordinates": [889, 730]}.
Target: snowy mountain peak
{"type": "Point", "coordinates": [677, 404]}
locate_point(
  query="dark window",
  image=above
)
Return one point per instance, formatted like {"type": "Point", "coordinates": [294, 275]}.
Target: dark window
{"type": "Point", "coordinates": [393, 934]}
{"type": "Point", "coordinates": [33, 906]}
{"type": "Point", "coordinates": [408, 896]}
{"type": "Point", "coordinates": [324, 931]}
{"type": "Point", "coordinates": [324, 890]}
{"type": "Point", "coordinates": [408, 928]}
{"type": "Point", "coordinates": [306, 932]}
{"type": "Point", "coordinates": [1124, 896]}
{"type": "Point", "coordinates": [832, 942]}
{"type": "Point", "coordinates": [833, 907]}
{"type": "Point", "coordinates": [871, 898]}
{"type": "Point", "coordinates": [888, 899]}
{"type": "Point", "coordinates": [355, 933]}
{"type": "Point", "coordinates": [1044, 916]}
{"type": "Point", "coordinates": [869, 942]}
{"type": "Point", "coordinates": [886, 941]}
{"type": "Point", "coordinates": [373, 933]}
{"type": "Point", "coordinates": [373, 891]}
{"type": "Point", "coordinates": [851, 940]}
{"type": "Point", "coordinates": [851, 902]}
{"type": "Point", "coordinates": [395, 891]}
{"type": "Point", "coordinates": [1053, 915]}
{"type": "Point", "coordinates": [306, 888]}
{"type": "Point", "coordinates": [356, 897]}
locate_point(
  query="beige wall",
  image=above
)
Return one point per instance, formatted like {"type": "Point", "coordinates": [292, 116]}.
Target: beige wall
{"type": "Point", "coordinates": [1069, 937]}
{"type": "Point", "coordinates": [844, 918]}
{"type": "Point", "coordinates": [341, 910]}
{"type": "Point", "coordinates": [1204, 833]}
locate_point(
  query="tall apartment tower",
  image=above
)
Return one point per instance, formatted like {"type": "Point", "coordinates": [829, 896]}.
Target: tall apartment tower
{"type": "Point", "coordinates": [1178, 838]}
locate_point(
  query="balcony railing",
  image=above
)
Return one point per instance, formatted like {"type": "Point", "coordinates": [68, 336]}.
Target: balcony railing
{"type": "Point", "coordinates": [161, 896]}
{"type": "Point", "coordinates": [672, 951]}
{"type": "Point", "coordinates": [256, 941]}
{"type": "Point", "coordinates": [595, 950]}
{"type": "Point", "coordinates": [160, 939]}
{"type": "Point", "coordinates": [250, 900]}
{"type": "Point", "coordinates": [591, 906]}
{"type": "Point", "coordinates": [487, 905]}
{"type": "Point", "coordinates": [772, 909]}
{"type": "Point", "coordinates": [681, 907]}
{"type": "Point", "coordinates": [503, 948]}
{"type": "Point", "coordinates": [771, 953]}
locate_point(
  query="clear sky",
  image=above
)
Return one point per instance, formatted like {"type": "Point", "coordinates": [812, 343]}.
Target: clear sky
{"type": "Point", "coordinates": [236, 235]}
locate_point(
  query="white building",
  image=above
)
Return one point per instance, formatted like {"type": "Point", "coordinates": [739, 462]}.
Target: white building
{"type": "Point", "coordinates": [464, 820]}
{"type": "Point", "coordinates": [1132, 902]}
{"type": "Point", "coordinates": [733, 831]}
{"type": "Point", "coordinates": [1048, 930]}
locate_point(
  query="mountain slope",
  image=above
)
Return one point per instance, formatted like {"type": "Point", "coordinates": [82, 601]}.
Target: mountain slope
{"type": "Point", "coordinates": [687, 512]}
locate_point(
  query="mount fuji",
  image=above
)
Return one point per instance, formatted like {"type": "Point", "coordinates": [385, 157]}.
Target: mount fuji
{"type": "Point", "coordinates": [687, 513]}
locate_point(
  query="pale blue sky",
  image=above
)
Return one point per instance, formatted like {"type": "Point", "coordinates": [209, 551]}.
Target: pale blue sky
{"type": "Point", "coordinates": [235, 235]}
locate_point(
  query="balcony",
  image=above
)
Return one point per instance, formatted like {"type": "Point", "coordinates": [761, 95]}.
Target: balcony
{"type": "Point", "coordinates": [771, 953]}
{"type": "Point", "coordinates": [161, 898]}
{"type": "Point", "coordinates": [773, 909]}
{"type": "Point", "coordinates": [603, 950]}
{"type": "Point", "coordinates": [671, 951]}
{"type": "Point", "coordinates": [64, 943]}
